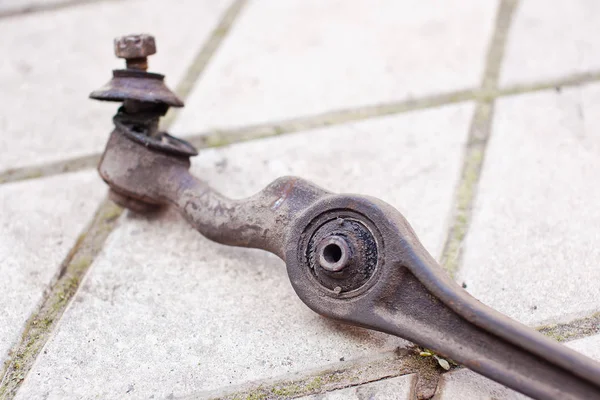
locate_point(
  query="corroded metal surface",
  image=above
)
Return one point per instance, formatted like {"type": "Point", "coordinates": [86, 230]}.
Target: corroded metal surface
{"type": "Point", "coordinates": [137, 85]}
{"type": "Point", "coordinates": [134, 83]}
{"type": "Point", "coordinates": [351, 258]}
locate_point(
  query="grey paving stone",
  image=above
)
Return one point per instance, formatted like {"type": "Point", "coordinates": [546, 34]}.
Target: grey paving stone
{"type": "Point", "coordinates": [39, 223]}
{"type": "Point", "coordinates": [548, 42]}
{"type": "Point", "coordinates": [53, 60]}
{"type": "Point", "coordinates": [467, 385]}
{"type": "Point", "coordinates": [532, 250]}
{"type": "Point", "coordinates": [398, 388]}
{"type": "Point", "coordinates": [590, 346]}
{"type": "Point", "coordinates": [164, 311]}
{"type": "Point", "coordinates": [292, 58]}
{"type": "Point", "coordinates": [9, 7]}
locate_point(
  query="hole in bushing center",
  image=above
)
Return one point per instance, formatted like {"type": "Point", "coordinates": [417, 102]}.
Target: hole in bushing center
{"type": "Point", "coordinates": [332, 253]}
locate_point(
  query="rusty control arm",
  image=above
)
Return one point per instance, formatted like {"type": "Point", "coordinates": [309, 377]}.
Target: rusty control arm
{"type": "Point", "coordinates": [351, 258]}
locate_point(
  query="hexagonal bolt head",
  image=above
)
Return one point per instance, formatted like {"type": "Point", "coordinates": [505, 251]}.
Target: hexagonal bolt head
{"type": "Point", "coordinates": [134, 49]}
{"type": "Point", "coordinates": [135, 46]}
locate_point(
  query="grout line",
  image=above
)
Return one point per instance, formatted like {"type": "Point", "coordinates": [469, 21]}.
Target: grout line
{"type": "Point", "coordinates": [44, 7]}
{"type": "Point", "coordinates": [43, 321]}
{"type": "Point", "coordinates": [479, 134]}
{"type": "Point", "coordinates": [373, 368]}
{"type": "Point", "coordinates": [217, 138]}
{"type": "Point", "coordinates": [50, 169]}
{"type": "Point", "coordinates": [557, 84]}
{"type": "Point", "coordinates": [41, 324]}
{"type": "Point", "coordinates": [576, 329]}
{"type": "Point", "coordinates": [184, 88]}
{"type": "Point", "coordinates": [222, 137]}
{"type": "Point", "coordinates": [203, 57]}
{"type": "Point", "coordinates": [341, 375]}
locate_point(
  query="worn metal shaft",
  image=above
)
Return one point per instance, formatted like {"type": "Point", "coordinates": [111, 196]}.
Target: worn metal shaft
{"type": "Point", "coordinates": [261, 221]}
{"type": "Point", "coordinates": [388, 281]}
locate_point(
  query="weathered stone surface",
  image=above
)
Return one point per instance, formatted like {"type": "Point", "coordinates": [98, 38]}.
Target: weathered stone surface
{"type": "Point", "coordinates": [532, 250]}
{"type": "Point", "coordinates": [165, 311]}
{"type": "Point", "coordinates": [590, 346]}
{"type": "Point", "coordinates": [288, 59]}
{"type": "Point", "coordinates": [388, 389]}
{"type": "Point", "coordinates": [467, 385]}
{"type": "Point", "coordinates": [550, 42]}
{"type": "Point", "coordinates": [57, 58]}
{"type": "Point", "coordinates": [8, 7]}
{"type": "Point", "coordinates": [39, 223]}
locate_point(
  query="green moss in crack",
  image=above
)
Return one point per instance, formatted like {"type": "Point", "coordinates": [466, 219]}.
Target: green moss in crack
{"type": "Point", "coordinates": [259, 394]}
{"type": "Point", "coordinates": [111, 213]}
{"type": "Point", "coordinates": [576, 329]}
{"type": "Point", "coordinates": [286, 391]}
{"type": "Point", "coordinates": [464, 199]}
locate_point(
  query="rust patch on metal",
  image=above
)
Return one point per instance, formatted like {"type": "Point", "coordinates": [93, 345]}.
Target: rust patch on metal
{"type": "Point", "coordinates": [287, 189]}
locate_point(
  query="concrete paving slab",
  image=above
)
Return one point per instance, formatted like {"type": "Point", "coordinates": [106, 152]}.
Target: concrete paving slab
{"type": "Point", "coordinates": [467, 385]}
{"type": "Point", "coordinates": [532, 250]}
{"type": "Point", "coordinates": [294, 58]}
{"type": "Point", "coordinates": [57, 58]}
{"type": "Point", "coordinates": [39, 223]}
{"type": "Point", "coordinates": [12, 8]}
{"type": "Point", "coordinates": [398, 388]}
{"type": "Point", "coordinates": [590, 346]}
{"type": "Point", "coordinates": [547, 42]}
{"type": "Point", "coordinates": [166, 312]}
{"type": "Point", "coordinates": [15, 6]}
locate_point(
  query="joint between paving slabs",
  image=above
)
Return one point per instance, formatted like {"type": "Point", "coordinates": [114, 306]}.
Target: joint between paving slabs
{"type": "Point", "coordinates": [346, 374]}
{"type": "Point", "coordinates": [369, 369]}
{"type": "Point", "coordinates": [216, 138]}
{"type": "Point", "coordinates": [203, 57]}
{"type": "Point", "coordinates": [49, 6]}
{"type": "Point", "coordinates": [225, 137]}
{"type": "Point", "coordinates": [219, 138]}
{"type": "Point", "coordinates": [576, 329]}
{"type": "Point", "coordinates": [42, 322]}
{"type": "Point", "coordinates": [184, 87]}
{"type": "Point", "coordinates": [479, 133]}
{"type": "Point", "coordinates": [467, 187]}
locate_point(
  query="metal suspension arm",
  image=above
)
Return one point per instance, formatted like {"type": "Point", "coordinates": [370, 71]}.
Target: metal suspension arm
{"type": "Point", "coordinates": [352, 258]}
{"type": "Point", "coordinates": [355, 259]}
